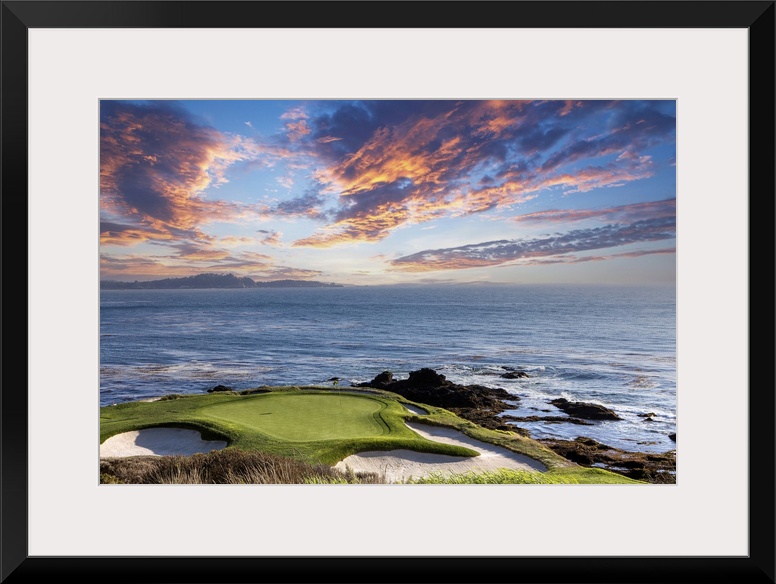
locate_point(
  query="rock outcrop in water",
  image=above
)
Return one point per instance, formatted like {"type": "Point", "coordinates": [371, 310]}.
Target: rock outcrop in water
{"type": "Point", "coordinates": [514, 374]}
{"type": "Point", "coordinates": [584, 410]}
{"type": "Point", "coordinates": [476, 403]}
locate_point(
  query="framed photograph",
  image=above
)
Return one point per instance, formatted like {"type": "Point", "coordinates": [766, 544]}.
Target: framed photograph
{"type": "Point", "coordinates": [538, 243]}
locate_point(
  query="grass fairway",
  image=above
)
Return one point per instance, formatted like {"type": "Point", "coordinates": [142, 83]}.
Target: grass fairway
{"type": "Point", "coordinates": [307, 417]}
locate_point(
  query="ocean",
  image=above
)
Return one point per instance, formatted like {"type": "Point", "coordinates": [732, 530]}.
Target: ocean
{"type": "Point", "coordinates": [612, 345]}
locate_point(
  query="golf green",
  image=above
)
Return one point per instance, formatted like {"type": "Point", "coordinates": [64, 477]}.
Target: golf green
{"type": "Point", "coordinates": [306, 417]}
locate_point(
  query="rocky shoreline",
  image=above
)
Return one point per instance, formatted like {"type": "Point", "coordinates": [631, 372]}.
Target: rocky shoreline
{"type": "Point", "coordinates": [485, 406]}
{"type": "Point", "coordinates": [476, 403]}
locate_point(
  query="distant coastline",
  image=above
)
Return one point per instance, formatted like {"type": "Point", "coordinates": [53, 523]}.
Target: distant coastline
{"type": "Point", "coordinates": [210, 280]}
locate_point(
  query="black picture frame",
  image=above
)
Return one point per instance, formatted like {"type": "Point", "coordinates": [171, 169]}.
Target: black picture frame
{"type": "Point", "coordinates": [755, 16]}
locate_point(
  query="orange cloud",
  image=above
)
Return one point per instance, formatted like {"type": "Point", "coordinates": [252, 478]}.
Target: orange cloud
{"type": "Point", "coordinates": [297, 130]}
{"type": "Point", "coordinates": [568, 106]}
{"type": "Point", "coordinates": [127, 235]}
{"type": "Point", "coordinates": [297, 127]}
{"type": "Point", "coordinates": [421, 169]}
{"type": "Point", "coordinates": [369, 227]}
{"type": "Point", "coordinates": [156, 163]}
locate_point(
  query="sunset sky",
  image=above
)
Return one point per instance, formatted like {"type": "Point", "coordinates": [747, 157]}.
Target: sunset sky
{"type": "Point", "coordinates": [382, 192]}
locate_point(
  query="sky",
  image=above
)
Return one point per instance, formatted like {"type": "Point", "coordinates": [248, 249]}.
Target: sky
{"type": "Point", "coordinates": [390, 191]}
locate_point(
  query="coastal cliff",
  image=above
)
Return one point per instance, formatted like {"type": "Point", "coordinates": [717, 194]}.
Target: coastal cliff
{"type": "Point", "coordinates": [485, 406]}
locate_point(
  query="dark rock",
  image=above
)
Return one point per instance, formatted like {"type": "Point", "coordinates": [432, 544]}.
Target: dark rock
{"type": "Point", "coordinates": [514, 375]}
{"type": "Point", "coordinates": [220, 388]}
{"type": "Point", "coordinates": [584, 410]}
{"type": "Point", "coordinates": [591, 443]}
{"type": "Point", "coordinates": [649, 415]}
{"type": "Point", "coordinates": [426, 378]}
{"type": "Point", "coordinates": [652, 468]}
{"type": "Point", "coordinates": [632, 464]}
{"type": "Point", "coordinates": [548, 419]}
{"type": "Point", "coordinates": [580, 458]}
{"type": "Point", "coordinates": [672, 437]}
{"type": "Point", "coordinates": [382, 381]}
{"type": "Point", "coordinates": [476, 403]}
{"type": "Point", "coordinates": [384, 377]}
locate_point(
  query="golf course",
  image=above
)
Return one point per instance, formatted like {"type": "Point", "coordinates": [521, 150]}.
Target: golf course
{"type": "Point", "coordinates": [326, 428]}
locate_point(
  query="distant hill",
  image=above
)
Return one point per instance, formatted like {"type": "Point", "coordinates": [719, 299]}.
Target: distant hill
{"type": "Point", "coordinates": [211, 280]}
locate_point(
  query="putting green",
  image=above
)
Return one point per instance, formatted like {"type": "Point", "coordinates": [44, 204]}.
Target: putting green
{"type": "Point", "coordinates": [306, 417]}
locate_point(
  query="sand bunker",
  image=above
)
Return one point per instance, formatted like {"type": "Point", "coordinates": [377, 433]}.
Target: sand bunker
{"type": "Point", "coordinates": [158, 442]}
{"type": "Point", "coordinates": [415, 410]}
{"type": "Point", "coordinates": [400, 465]}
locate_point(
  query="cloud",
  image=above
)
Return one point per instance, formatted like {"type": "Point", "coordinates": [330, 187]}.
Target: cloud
{"type": "Point", "coordinates": [636, 211]}
{"type": "Point", "coordinates": [285, 181]}
{"type": "Point", "coordinates": [156, 161]}
{"type": "Point", "coordinates": [375, 167]}
{"type": "Point", "coordinates": [399, 163]}
{"type": "Point", "coordinates": [297, 130]}
{"type": "Point", "coordinates": [196, 252]}
{"type": "Point", "coordinates": [632, 126]}
{"type": "Point", "coordinates": [125, 235]}
{"type": "Point", "coordinates": [271, 238]}
{"type": "Point", "coordinates": [287, 273]}
{"type": "Point", "coordinates": [144, 267]}
{"type": "Point", "coordinates": [296, 127]}
{"type": "Point", "coordinates": [307, 205]}
{"type": "Point", "coordinates": [296, 113]}
{"type": "Point", "coordinates": [570, 259]}
{"type": "Point", "coordinates": [235, 241]}
{"type": "Point", "coordinates": [493, 253]}
{"type": "Point", "coordinates": [191, 260]}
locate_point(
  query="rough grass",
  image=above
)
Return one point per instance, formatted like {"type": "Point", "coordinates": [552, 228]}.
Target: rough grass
{"type": "Point", "coordinates": [499, 477]}
{"type": "Point", "coordinates": [519, 477]}
{"type": "Point", "coordinates": [224, 467]}
{"type": "Point", "coordinates": [259, 468]}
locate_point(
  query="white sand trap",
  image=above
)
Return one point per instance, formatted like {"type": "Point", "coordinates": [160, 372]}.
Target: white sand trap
{"type": "Point", "coordinates": [400, 465]}
{"type": "Point", "coordinates": [158, 442]}
{"type": "Point", "coordinates": [416, 410]}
